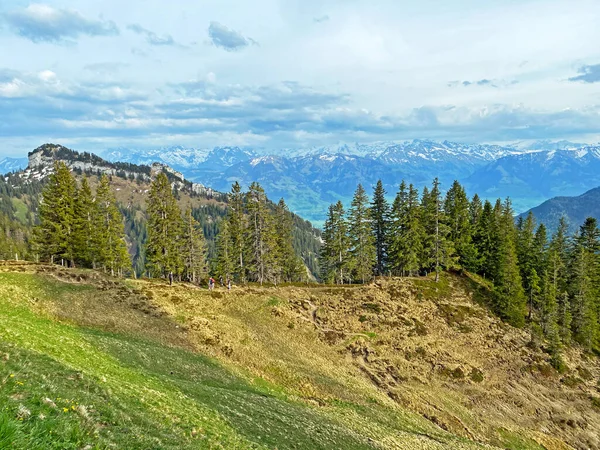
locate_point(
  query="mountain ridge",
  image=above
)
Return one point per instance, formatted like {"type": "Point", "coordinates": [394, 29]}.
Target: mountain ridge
{"type": "Point", "coordinates": [312, 178]}
{"type": "Point", "coordinates": [574, 209]}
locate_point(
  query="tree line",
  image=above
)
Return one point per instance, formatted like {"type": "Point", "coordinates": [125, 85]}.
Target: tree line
{"type": "Point", "coordinates": [550, 282]}
{"type": "Point", "coordinates": [78, 227]}
{"type": "Point", "coordinates": [255, 240]}
{"type": "Point", "coordinates": [81, 228]}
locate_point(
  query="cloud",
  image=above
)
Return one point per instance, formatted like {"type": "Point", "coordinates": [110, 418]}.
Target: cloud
{"type": "Point", "coordinates": [105, 67]}
{"type": "Point", "coordinates": [588, 74]}
{"type": "Point", "coordinates": [47, 76]}
{"type": "Point", "coordinates": [153, 38]}
{"type": "Point", "coordinates": [483, 82]}
{"type": "Point", "coordinates": [43, 23]}
{"type": "Point", "coordinates": [280, 115]}
{"type": "Point", "coordinates": [226, 38]}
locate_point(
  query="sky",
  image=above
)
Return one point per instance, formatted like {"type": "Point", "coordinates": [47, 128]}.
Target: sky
{"type": "Point", "coordinates": [283, 74]}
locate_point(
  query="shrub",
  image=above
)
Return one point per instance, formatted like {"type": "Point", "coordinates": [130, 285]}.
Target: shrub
{"type": "Point", "coordinates": [476, 375]}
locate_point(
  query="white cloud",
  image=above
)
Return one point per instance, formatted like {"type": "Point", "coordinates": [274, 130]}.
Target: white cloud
{"type": "Point", "coordinates": [47, 76]}
{"type": "Point", "coordinates": [390, 66]}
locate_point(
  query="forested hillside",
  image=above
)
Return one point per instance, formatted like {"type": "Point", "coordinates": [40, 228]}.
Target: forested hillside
{"type": "Point", "coordinates": [170, 228]}
{"type": "Point", "coordinates": [547, 282]}
{"type": "Point", "coordinates": [20, 195]}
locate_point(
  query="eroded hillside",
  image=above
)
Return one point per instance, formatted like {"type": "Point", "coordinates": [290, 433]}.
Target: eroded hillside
{"type": "Point", "coordinates": [403, 363]}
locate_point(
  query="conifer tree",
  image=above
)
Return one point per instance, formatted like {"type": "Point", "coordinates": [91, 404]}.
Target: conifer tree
{"type": "Point", "coordinates": [438, 249]}
{"type": "Point", "coordinates": [193, 249]}
{"type": "Point", "coordinates": [510, 298]}
{"type": "Point", "coordinates": [584, 284]}
{"type": "Point", "coordinates": [549, 319]}
{"type": "Point", "coordinates": [485, 238]}
{"type": "Point", "coordinates": [237, 230]}
{"type": "Point", "coordinates": [527, 259]}
{"type": "Point", "coordinates": [335, 253]}
{"type": "Point", "coordinates": [558, 257]}
{"type": "Point", "coordinates": [457, 210]}
{"type": "Point", "coordinates": [380, 215]}
{"type": "Point", "coordinates": [565, 319]}
{"type": "Point", "coordinates": [475, 210]}
{"type": "Point", "coordinates": [261, 236]}
{"type": "Point", "coordinates": [164, 230]}
{"type": "Point", "coordinates": [111, 244]}
{"type": "Point", "coordinates": [362, 241]}
{"type": "Point", "coordinates": [85, 231]}
{"type": "Point", "coordinates": [54, 237]}
{"type": "Point", "coordinates": [288, 266]}
{"type": "Point", "coordinates": [558, 266]}
{"type": "Point", "coordinates": [406, 242]}
{"type": "Point", "coordinates": [226, 262]}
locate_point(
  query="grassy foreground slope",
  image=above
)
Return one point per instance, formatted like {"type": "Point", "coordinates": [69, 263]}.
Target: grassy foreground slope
{"type": "Point", "coordinates": [91, 362]}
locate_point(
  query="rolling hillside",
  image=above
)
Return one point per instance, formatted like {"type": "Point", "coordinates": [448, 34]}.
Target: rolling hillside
{"type": "Point", "coordinates": [402, 363]}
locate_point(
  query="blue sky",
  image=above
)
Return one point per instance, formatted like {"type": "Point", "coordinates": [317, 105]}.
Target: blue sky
{"type": "Point", "coordinates": [296, 73]}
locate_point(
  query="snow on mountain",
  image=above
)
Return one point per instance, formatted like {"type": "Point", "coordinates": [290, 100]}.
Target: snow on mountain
{"type": "Point", "coordinates": [174, 156]}
{"type": "Point", "coordinates": [12, 164]}
{"type": "Point", "coordinates": [533, 177]}
{"type": "Point", "coordinates": [547, 145]}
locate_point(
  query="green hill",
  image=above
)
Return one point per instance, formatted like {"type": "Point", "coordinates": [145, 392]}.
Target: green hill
{"type": "Point", "coordinates": [574, 209]}
{"type": "Point", "coordinates": [91, 362]}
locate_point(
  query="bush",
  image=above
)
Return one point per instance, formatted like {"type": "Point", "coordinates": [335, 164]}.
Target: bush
{"type": "Point", "coordinates": [457, 374]}
{"type": "Point", "coordinates": [476, 375]}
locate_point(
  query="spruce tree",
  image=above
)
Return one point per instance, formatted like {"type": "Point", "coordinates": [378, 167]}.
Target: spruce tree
{"type": "Point", "coordinates": [54, 237]}
{"type": "Point", "coordinates": [485, 239]}
{"type": "Point", "coordinates": [237, 230]}
{"type": "Point", "coordinates": [406, 242]}
{"type": "Point", "coordinates": [362, 241]}
{"type": "Point", "coordinates": [585, 272]}
{"type": "Point", "coordinates": [558, 265]}
{"type": "Point", "coordinates": [558, 256]}
{"type": "Point", "coordinates": [261, 236]}
{"type": "Point", "coordinates": [111, 244]}
{"type": "Point", "coordinates": [549, 318]}
{"type": "Point", "coordinates": [475, 210]}
{"type": "Point", "coordinates": [335, 253]}
{"type": "Point", "coordinates": [164, 230]}
{"type": "Point", "coordinates": [289, 266]}
{"type": "Point", "coordinates": [193, 249]}
{"type": "Point", "coordinates": [226, 262]}
{"type": "Point", "coordinates": [457, 210]}
{"type": "Point", "coordinates": [380, 216]}
{"type": "Point", "coordinates": [509, 295]}
{"type": "Point", "coordinates": [527, 258]}
{"type": "Point", "coordinates": [438, 249]}
{"type": "Point", "coordinates": [85, 231]}
{"type": "Point", "coordinates": [565, 319]}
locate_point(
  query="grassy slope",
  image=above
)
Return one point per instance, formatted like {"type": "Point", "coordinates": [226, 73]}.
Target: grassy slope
{"type": "Point", "coordinates": [65, 383]}
{"type": "Point", "coordinates": [392, 365]}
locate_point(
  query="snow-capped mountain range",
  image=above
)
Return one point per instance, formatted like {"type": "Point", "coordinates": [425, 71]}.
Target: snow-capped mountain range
{"type": "Point", "coordinates": [311, 178]}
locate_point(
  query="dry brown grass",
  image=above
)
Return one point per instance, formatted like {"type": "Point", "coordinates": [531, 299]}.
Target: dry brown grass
{"type": "Point", "coordinates": [396, 344]}
{"type": "Point", "coordinates": [409, 342]}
